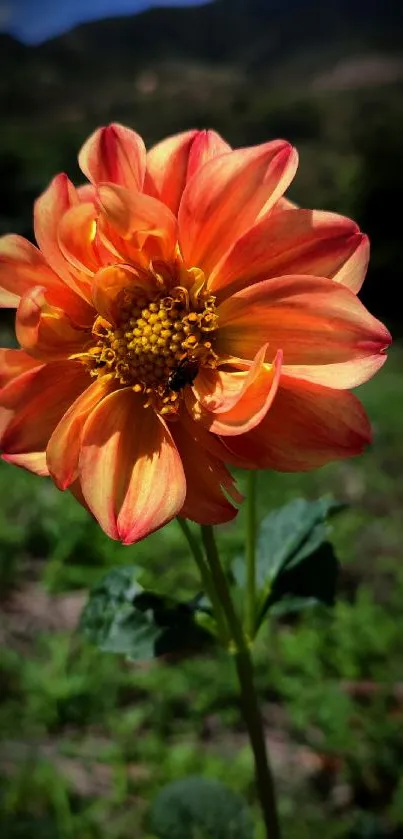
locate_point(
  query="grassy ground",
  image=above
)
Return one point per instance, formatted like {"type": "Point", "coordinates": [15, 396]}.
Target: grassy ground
{"type": "Point", "coordinates": [88, 740]}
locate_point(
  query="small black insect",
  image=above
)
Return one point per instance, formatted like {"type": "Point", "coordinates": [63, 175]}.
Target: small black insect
{"type": "Point", "coordinates": [184, 374]}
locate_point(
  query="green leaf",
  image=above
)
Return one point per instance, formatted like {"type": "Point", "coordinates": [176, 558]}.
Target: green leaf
{"type": "Point", "coordinates": [199, 808]}
{"type": "Point", "coordinates": [122, 617]}
{"type": "Point", "coordinates": [295, 563]}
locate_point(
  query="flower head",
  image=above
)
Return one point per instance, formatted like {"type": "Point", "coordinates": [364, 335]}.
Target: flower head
{"type": "Point", "coordinates": [180, 316]}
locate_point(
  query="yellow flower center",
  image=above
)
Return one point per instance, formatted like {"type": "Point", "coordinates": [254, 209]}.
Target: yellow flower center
{"type": "Point", "coordinates": [160, 342]}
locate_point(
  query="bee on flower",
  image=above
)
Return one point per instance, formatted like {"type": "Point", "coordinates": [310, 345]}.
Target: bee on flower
{"type": "Point", "coordinates": [180, 316]}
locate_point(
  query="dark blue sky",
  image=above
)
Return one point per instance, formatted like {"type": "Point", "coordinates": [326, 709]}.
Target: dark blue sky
{"type": "Point", "coordinates": [34, 21]}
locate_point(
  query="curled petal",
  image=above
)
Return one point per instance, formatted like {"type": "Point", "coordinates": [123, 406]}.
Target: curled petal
{"type": "Point", "coordinates": [109, 285]}
{"type": "Point", "coordinates": [13, 363]}
{"type": "Point", "coordinates": [116, 154]}
{"type": "Point", "coordinates": [293, 242]}
{"type": "Point", "coordinates": [140, 221]}
{"type": "Point", "coordinates": [76, 237]}
{"type": "Point", "coordinates": [49, 209]}
{"type": "Point", "coordinates": [211, 493]}
{"type": "Point", "coordinates": [130, 471]}
{"type": "Point", "coordinates": [228, 195]}
{"type": "Point", "coordinates": [45, 331]}
{"type": "Point", "coordinates": [320, 325]}
{"type": "Point", "coordinates": [306, 427]}
{"type": "Point", "coordinates": [64, 446]}
{"type": "Point", "coordinates": [32, 405]}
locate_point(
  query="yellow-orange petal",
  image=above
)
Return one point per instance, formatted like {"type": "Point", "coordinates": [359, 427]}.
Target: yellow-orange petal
{"type": "Point", "coordinates": [211, 492]}
{"type": "Point", "coordinates": [21, 266]}
{"type": "Point", "coordinates": [130, 471]}
{"type": "Point", "coordinates": [352, 273]}
{"type": "Point", "coordinates": [76, 237]}
{"type": "Point", "coordinates": [13, 363]}
{"type": "Point", "coordinates": [63, 450]}
{"type": "Point", "coordinates": [228, 195]}
{"type": "Point", "coordinates": [32, 461]}
{"type": "Point", "coordinates": [140, 221]}
{"type": "Point", "coordinates": [45, 331]}
{"type": "Point", "coordinates": [116, 154]}
{"type": "Point", "coordinates": [109, 285]}
{"type": "Point", "coordinates": [325, 332]}
{"type": "Point", "coordinates": [293, 242]}
{"type": "Point", "coordinates": [32, 405]}
{"type": "Point", "coordinates": [49, 209]}
{"type": "Point", "coordinates": [306, 427]}
{"type": "Point", "coordinates": [167, 166]}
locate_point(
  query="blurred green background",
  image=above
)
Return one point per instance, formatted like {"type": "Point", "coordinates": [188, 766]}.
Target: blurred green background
{"type": "Point", "coordinates": [87, 740]}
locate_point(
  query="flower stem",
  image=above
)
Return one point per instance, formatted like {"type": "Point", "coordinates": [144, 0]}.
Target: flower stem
{"type": "Point", "coordinates": [250, 616]}
{"type": "Point", "coordinates": [250, 704]}
{"type": "Point", "coordinates": [206, 580]}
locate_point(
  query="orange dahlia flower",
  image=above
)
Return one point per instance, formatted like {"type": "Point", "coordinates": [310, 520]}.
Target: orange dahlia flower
{"type": "Point", "coordinates": [178, 317]}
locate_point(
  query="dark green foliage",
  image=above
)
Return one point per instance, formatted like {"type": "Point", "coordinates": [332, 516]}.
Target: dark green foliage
{"type": "Point", "coordinates": [198, 808]}
{"type": "Point", "coordinates": [122, 617]}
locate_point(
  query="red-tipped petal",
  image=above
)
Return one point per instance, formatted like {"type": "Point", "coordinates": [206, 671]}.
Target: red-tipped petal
{"type": "Point", "coordinates": [294, 242]}
{"type": "Point", "coordinates": [325, 332]}
{"type": "Point", "coordinates": [49, 209]}
{"type": "Point", "coordinates": [130, 471]}
{"type": "Point", "coordinates": [33, 462]}
{"type": "Point", "coordinates": [206, 146]}
{"type": "Point", "coordinates": [228, 195]}
{"type": "Point", "coordinates": [167, 166]}
{"type": "Point", "coordinates": [45, 331]}
{"type": "Point", "coordinates": [306, 427]}
{"type": "Point", "coordinates": [116, 154]}
{"type": "Point", "coordinates": [210, 489]}
{"type": "Point", "coordinates": [33, 404]}
{"type": "Point", "coordinates": [64, 446]}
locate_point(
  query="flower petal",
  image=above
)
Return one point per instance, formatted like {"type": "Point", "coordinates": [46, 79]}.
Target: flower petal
{"type": "Point", "coordinates": [49, 209]}
{"type": "Point", "coordinates": [325, 332]}
{"type": "Point", "coordinates": [352, 273]}
{"type": "Point", "coordinates": [116, 154]}
{"type": "Point", "coordinates": [167, 165]}
{"type": "Point", "coordinates": [33, 404]}
{"type": "Point", "coordinates": [45, 331]}
{"type": "Point", "coordinates": [171, 163]}
{"type": "Point", "coordinates": [228, 195]}
{"type": "Point", "coordinates": [210, 489]}
{"type": "Point", "coordinates": [140, 222]}
{"type": "Point", "coordinates": [206, 146]}
{"type": "Point", "coordinates": [130, 471]}
{"type": "Point", "coordinates": [21, 266]}
{"type": "Point", "coordinates": [76, 237]}
{"type": "Point", "coordinates": [306, 427]}
{"type": "Point", "coordinates": [293, 242]}
{"type": "Point", "coordinates": [109, 285]}
{"type": "Point", "coordinates": [33, 461]}
{"type": "Point", "coordinates": [13, 363]}
{"type": "Point", "coordinates": [64, 446]}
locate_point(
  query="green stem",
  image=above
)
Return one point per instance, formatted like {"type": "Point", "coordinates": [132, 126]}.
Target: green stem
{"type": "Point", "coordinates": [250, 616]}
{"type": "Point", "coordinates": [250, 703]}
{"type": "Point", "coordinates": [207, 582]}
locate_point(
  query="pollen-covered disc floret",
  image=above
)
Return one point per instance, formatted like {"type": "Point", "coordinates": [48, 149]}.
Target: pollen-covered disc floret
{"type": "Point", "coordinates": [157, 331]}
